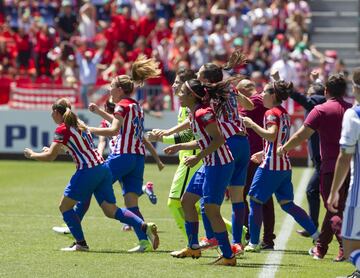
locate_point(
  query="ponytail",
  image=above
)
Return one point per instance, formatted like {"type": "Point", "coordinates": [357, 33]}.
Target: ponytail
{"type": "Point", "coordinates": [144, 68]}
{"type": "Point", "coordinates": [282, 90]}
{"type": "Point", "coordinates": [63, 106]}
{"type": "Point", "coordinates": [236, 58]}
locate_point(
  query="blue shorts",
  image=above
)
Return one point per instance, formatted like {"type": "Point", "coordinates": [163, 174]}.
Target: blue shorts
{"type": "Point", "coordinates": [210, 182]}
{"type": "Point", "coordinates": [267, 182]}
{"type": "Point", "coordinates": [240, 149]}
{"type": "Point", "coordinates": [128, 169]}
{"type": "Point", "coordinates": [96, 180]}
{"type": "Point", "coordinates": [196, 183]}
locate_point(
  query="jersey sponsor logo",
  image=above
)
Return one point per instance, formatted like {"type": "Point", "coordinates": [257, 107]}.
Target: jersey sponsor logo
{"type": "Point", "coordinates": [58, 136]}
{"type": "Point", "coordinates": [119, 109]}
{"type": "Point", "coordinates": [271, 118]}
{"type": "Point", "coordinates": [205, 118]}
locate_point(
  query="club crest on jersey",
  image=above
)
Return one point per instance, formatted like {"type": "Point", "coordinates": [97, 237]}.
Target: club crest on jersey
{"type": "Point", "coordinates": [206, 117]}
{"type": "Point", "coordinates": [271, 118]}
{"type": "Point", "coordinates": [58, 136]}
{"type": "Point", "coordinates": [119, 109]}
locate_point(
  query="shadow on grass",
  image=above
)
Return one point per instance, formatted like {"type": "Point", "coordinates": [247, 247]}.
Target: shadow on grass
{"type": "Point", "coordinates": [294, 252]}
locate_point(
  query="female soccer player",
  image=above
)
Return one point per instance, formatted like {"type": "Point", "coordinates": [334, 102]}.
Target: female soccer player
{"type": "Point", "coordinates": [91, 177]}
{"type": "Point", "coordinates": [127, 160]}
{"type": "Point", "coordinates": [211, 180]}
{"type": "Point", "coordinates": [225, 103]}
{"type": "Point", "coordinates": [274, 173]}
{"type": "Point", "coordinates": [183, 173]}
{"type": "Point", "coordinates": [349, 154]}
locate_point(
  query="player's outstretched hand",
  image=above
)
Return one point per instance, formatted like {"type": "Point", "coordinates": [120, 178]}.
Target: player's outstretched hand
{"type": "Point", "coordinates": [94, 108]}
{"type": "Point", "coordinates": [160, 165]}
{"type": "Point", "coordinates": [152, 137]}
{"type": "Point", "coordinates": [160, 132]}
{"type": "Point", "coordinates": [28, 152]}
{"type": "Point", "coordinates": [248, 122]}
{"type": "Point", "coordinates": [173, 149]}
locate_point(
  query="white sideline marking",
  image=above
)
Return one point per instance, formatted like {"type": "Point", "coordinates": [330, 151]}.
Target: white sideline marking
{"type": "Point", "coordinates": [274, 258]}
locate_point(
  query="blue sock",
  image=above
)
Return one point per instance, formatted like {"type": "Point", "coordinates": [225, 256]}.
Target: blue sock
{"type": "Point", "coordinates": [206, 222]}
{"type": "Point", "coordinates": [136, 211]}
{"type": "Point", "coordinates": [72, 220]}
{"type": "Point", "coordinates": [81, 208]}
{"type": "Point", "coordinates": [192, 231]}
{"type": "Point", "coordinates": [300, 217]}
{"type": "Point", "coordinates": [255, 221]}
{"type": "Point", "coordinates": [238, 215]}
{"type": "Point", "coordinates": [127, 217]}
{"type": "Point", "coordinates": [355, 258]}
{"type": "Point", "coordinates": [224, 244]}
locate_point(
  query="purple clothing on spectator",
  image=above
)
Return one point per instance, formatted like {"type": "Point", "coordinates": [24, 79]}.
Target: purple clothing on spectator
{"type": "Point", "coordinates": [257, 115]}
{"type": "Point", "coordinates": [327, 118]}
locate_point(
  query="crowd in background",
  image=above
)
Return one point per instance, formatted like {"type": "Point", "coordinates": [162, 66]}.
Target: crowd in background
{"type": "Point", "coordinates": [86, 43]}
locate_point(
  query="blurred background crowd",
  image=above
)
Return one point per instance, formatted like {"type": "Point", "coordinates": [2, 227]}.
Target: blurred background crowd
{"type": "Point", "coordinates": [84, 44]}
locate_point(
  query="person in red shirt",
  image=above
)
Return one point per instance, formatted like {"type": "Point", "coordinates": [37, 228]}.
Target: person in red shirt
{"type": "Point", "coordinates": [326, 119]}
{"type": "Point", "coordinates": [44, 42]}
{"type": "Point", "coordinates": [23, 47]}
{"type": "Point", "coordinates": [147, 23]}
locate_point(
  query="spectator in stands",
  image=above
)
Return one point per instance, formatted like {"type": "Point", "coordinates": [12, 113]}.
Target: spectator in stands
{"type": "Point", "coordinates": [219, 39]}
{"type": "Point", "coordinates": [68, 71]}
{"type": "Point", "coordinates": [67, 22]}
{"type": "Point", "coordinates": [48, 10]}
{"type": "Point", "coordinates": [199, 54]}
{"type": "Point", "coordinates": [23, 47]}
{"type": "Point", "coordinates": [87, 24]}
{"type": "Point", "coordinates": [202, 21]}
{"type": "Point", "coordinates": [44, 42]}
{"type": "Point", "coordinates": [280, 16]}
{"type": "Point", "coordinates": [6, 58]}
{"type": "Point", "coordinates": [87, 63]}
{"type": "Point", "coordinates": [238, 22]}
{"type": "Point", "coordinates": [260, 18]}
{"type": "Point", "coordinates": [286, 68]}
{"type": "Point", "coordinates": [147, 23]}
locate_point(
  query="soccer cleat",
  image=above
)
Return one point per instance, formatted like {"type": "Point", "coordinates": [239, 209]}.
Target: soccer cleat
{"type": "Point", "coordinates": [144, 246]}
{"type": "Point", "coordinates": [266, 246]}
{"type": "Point", "coordinates": [225, 261]}
{"type": "Point", "coordinates": [187, 252]}
{"type": "Point", "coordinates": [76, 247]}
{"type": "Point", "coordinates": [252, 248]}
{"type": "Point", "coordinates": [314, 252]}
{"type": "Point", "coordinates": [148, 189]}
{"type": "Point", "coordinates": [151, 232]}
{"type": "Point", "coordinates": [237, 249]}
{"type": "Point", "coordinates": [303, 233]}
{"type": "Point", "coordinates": [61, 230]}
{"type": "Point", "coordinates": [206, 243]}
{"type": "Point", "coordinates": [340, 256]}
{"type": "Point", "coordinates": [243, 235]}
{"type": "Point", "coordinates": [126, 228]}
{"type": "Point", "coordinates": [355, 274]}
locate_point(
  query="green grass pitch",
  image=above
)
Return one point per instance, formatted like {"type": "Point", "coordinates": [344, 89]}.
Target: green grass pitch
{"type": "Point", "coordinates": [29, 197]}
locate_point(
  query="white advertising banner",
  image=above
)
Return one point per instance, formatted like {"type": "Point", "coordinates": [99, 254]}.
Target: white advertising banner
{"type": "Point", "coordinates": [21, 129]}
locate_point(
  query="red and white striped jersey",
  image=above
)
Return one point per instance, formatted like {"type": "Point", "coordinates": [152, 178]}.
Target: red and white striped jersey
{"type": "Point", "coordinates": [79, 144]}
{"type": "Point", "coordinates": [276, 116]}
{"type": "Point", "coordinates": [111, 140]}
{"type": "Point", "coordinates": [230, 121]}
{"type": "Point", "coordinates": [203, 116]}
{"type": "Point", "coordinates": [130, 138]}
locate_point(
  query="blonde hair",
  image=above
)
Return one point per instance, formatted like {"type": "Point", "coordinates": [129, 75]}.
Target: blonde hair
{"type": "Point", "coordinates": [141, 70]}
{"type": "Point", "coordinates": [144, 68]}
{"type": "Point", "coordinates": [63, 106]}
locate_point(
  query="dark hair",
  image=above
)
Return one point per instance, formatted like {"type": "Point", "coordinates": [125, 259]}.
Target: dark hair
{"type": "Point", "coordinates": [63, 106]}
{"type": "Point", "coordinates": [185, 74]}
{"type": "Point", "coordinates": [213, 73]}
{"type": "Point", "coordinates": [318, 89]}
{"type": "Point", "coordinates": [197, 89]}
{"type": "Point", "coordinates": [281, 89]}
{"type": "Point", "coordinates": [109, 107]}
{"type": "Point", "coordinates": [336, 85]}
